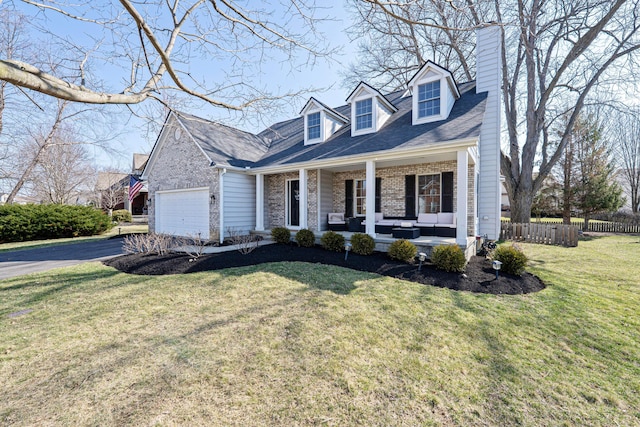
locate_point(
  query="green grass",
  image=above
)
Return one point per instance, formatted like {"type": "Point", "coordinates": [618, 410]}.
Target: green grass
{"type": "Point", "coordinates": [306, 344]}
{"type": "Point", "coordinates": [142, 228]}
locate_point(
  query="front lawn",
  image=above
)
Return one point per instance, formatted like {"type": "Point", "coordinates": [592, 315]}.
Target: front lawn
{"type": "Point", "coordinates": [307, 344]}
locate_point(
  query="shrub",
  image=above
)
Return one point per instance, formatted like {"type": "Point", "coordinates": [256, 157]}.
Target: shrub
{"type": "Point", "coordinates": [403, 250]}
{"type": "Point", "coordinates": [362, 244]}
{"type": "Point", "coordinates": [151, 243]}
{"type": "Point", "coordinates": [332, 241]}
{"type": "Point", "coordinates": [512, 258]}
{"type": "Point", "coordinates": [305, 238]}
{"type": "Point", "coordinates": [448, 258]}
{"type": "Point", "coordinates": [20, 223]}
{"type": "Point", "coordinates": [281, 235]}
{"type": "Point", "coordinates": [121, 215]}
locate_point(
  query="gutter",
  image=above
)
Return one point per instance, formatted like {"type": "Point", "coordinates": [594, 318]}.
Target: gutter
{"type": "Point", "coordinates": [376, 156]}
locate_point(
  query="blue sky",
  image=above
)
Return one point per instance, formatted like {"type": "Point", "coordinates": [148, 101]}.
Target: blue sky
{"type": "Point", "coordinates": [274, 75]}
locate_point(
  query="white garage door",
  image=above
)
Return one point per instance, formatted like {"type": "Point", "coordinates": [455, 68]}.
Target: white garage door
{"type": "Point", "coordinates": [183, 212]}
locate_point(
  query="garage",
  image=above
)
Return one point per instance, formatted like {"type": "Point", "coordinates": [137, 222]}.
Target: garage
{"type": "Point", "coordinates": [183, 212]}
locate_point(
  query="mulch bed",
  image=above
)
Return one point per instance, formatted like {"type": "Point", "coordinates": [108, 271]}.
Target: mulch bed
{"type": "Point", "coordinates": [478, 277]}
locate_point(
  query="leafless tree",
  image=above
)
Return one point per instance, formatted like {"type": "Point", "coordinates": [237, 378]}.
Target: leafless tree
{"type": "Point", "coordinates": [65, 174]}
{"type": "Point", "coordinates": [156, 43]}
{"type": "Point", "coordinates": [110, 188]}
{"type": "Point", "coordinates": [625, 129]}
{"type": "Point", "coordinates": [557, 56]}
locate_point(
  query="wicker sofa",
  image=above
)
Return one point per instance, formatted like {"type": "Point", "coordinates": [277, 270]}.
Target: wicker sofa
{"type": "Point", "coordinates": [437, 224]}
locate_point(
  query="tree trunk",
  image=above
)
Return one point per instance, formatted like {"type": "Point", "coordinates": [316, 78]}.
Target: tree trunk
{"type": "Point", "coordinates": [521, 207]}
{"type": "Point", "coordinates": [585, 226]}
{"type": "Point", "coordinates": [23, 178]}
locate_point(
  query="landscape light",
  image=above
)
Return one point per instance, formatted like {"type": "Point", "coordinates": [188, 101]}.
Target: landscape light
{"type": "Point", "coordinates": [496, 266]}
{"type": "Point", "coordinates": [422, 257]}
{"type": "Point", "coordinates": [347, 248]}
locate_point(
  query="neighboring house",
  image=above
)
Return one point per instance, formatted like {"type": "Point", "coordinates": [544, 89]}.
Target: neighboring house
{"type": "Point", "coordinates": [432, 147]}
{"type": "Point", "coordinates": [138, 206]}
{"type": "Point", "coordinates": [111, 190]}
{"type": "Point", "coordinates": [18, 200]}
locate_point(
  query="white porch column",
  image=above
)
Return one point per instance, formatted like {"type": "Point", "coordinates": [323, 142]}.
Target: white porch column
{"type": "Point", "coordinates": [304, 206]}
{"type": "Point", "coordinates": [461, 197]}
{"type": "Point", "coordinates": [370, 187]}
{"type": "Point", "coordinates": [259, 202]}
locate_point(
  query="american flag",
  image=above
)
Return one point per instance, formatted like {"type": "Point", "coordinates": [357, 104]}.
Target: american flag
{"type": "Point", "coordinates": [135, 186]}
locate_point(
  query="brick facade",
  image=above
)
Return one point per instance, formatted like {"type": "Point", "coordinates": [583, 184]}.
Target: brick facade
{"type": "Point", "coordinates": [276, 190]}
{"type": "Point", "coordinates": [179, 164]}
{"type": "Point", "coordinates": [392, 191]}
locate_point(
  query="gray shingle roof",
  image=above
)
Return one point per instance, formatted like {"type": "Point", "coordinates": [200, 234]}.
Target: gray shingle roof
{"type": "Point", "coordinates": [223, 144]}
{"type": "Point", "coordinates": [397, 133]}
{"type": "Point", "coordinates": [283, 142]}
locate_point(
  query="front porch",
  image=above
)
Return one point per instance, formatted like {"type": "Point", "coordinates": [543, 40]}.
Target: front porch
{"type": "Point", "coordinates": [434, 191]}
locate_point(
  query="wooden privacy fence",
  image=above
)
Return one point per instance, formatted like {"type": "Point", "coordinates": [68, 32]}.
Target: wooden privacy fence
{"type": "Point", "coordinates": [605, 227]}
{"type": "Point", "coordinates": [544, 233]}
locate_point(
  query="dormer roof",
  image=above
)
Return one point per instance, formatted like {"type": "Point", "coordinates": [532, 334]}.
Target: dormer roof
{"type": "Point", "coordinates": [314, 103]}
{"type": "Point", "coordinates": [374, 92]}
{"type": "Point", "coordinates": [429, 65]}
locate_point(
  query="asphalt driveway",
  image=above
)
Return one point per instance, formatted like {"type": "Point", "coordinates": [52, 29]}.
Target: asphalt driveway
{"type": "Point", "coordinates": [19, 262]}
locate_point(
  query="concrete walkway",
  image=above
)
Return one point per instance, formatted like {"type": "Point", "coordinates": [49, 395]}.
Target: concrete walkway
{"type": "Point", "coordinates": [26, 261]}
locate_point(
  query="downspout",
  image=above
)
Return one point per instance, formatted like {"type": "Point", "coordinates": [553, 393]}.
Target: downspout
{"type": "Point", "coordinates": [223, 171]}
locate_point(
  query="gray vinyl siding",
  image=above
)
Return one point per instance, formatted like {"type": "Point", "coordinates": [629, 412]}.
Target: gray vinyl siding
{"type": "Point", "coordinates": [488, 79]}
{"type": "Point", "coordinates": [239, 203]}
{"type": "Point", "coordinates": [326, 198]}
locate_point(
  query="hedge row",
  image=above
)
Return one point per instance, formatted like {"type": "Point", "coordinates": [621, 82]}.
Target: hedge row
{"type": "Point", "coordinates": [20, 223]}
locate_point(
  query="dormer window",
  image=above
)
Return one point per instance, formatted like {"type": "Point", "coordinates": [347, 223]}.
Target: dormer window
{"type": "Point", "coordinates": [364, 114]}
{"type": "Point", "coordinates": [369, 110]}
{"type": "Point", "coordinates": [429, 99]}
{"type": "Point", "coordinates": [434, 93]}
{"type": "Point", "coordinates": [320, 121]}
{"type": "Point", "coordinates": [313, 126]}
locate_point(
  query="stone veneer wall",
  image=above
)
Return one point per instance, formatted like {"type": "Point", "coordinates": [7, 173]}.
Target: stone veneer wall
{"type": "Point", "coordinates": [276, 194]}
{"type": "Point", "coordinates": [181, 165]}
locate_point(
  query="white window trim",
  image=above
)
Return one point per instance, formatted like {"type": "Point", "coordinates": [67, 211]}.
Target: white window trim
{"type": "Point", "coordinates": [444, 107]}
{"type": "Point", "coordinates": [308, 141]}
{"type": "Point", "coordinates": [374, 116]}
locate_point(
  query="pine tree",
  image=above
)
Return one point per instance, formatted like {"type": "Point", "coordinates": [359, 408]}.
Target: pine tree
{"type": "Point", "coordinates": [593, 187]}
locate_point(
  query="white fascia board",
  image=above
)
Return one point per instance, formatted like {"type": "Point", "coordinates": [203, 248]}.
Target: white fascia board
{"type": "Point", "coordinates": [437, 148]}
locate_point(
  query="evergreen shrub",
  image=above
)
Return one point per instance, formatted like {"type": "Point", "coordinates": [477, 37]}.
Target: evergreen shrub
{"type": "Point", "coordinates": [281, 235]}
{"type": "Point", "coordinates": [19, 223]}
{"type": "Point", "coordinates": [305, 238]}
{"type": "Point", "coordinates": [512, 258]}
{"type": "Point", "coordinates": [121, 215]}
{"type": "Point", "coordinates": [332, 241]}
{"type": "Point", "coordinates": [362, 244]}
{"type": "Point", "coordinates": [403, 250]}
{"type": "Point", "coordinates": [448, 258]}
